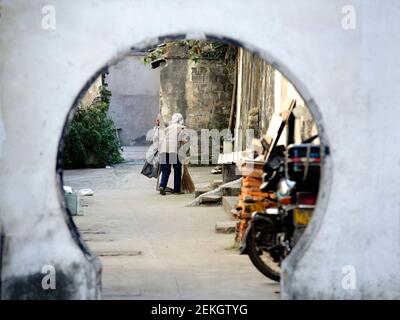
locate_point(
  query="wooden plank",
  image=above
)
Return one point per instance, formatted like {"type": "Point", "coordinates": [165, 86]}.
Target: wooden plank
{"type": "Point", "coordinates": [284, 118]}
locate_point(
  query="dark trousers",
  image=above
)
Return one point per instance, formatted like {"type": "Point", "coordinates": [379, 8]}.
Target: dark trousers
{"type": "Point", "coordinates": [166, 160]}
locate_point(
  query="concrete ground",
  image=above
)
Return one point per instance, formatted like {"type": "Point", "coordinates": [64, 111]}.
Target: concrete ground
{"type": "Point", "coordinates": [153, 247]}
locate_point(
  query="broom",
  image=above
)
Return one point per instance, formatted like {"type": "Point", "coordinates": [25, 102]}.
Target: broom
{"type": "Point", "coordinates": [187, 182]}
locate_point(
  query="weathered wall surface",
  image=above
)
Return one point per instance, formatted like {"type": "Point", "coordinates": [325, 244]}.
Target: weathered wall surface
{"type": "Point", "coordinates": [201, 91]}
{"type": "Point", "coordinates": [304, 125]}
{"type": "Point", "coordinates": [335, 68]}
{"type": "Point", "coordinates": [263, 91]}
{"type": "Point", "coordinates": [173, 79]}
{"type": "Point", "coordinates": [134, 103]}
{"type": "Point", "coordinates": [255, 102]}
{"type": "Point", "coordinates": [92, 92]}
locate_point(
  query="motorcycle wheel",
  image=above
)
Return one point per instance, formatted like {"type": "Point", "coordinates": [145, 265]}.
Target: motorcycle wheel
{"type": "Point", "coordinates": [262, 260]}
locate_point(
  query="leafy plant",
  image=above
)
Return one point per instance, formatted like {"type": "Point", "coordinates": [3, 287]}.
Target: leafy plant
{"type": "Point", "coordinates": [154, 54]}
{"type": "Point", "coordinates": [196, 50]}
{"type": "Point", "coordinates": [199, 49]}
{"type": "Point", "coordinates": [91, 140]}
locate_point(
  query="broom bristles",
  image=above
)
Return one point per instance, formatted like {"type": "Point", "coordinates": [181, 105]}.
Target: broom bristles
{"type": "Point", "coordinates": [187, 182]}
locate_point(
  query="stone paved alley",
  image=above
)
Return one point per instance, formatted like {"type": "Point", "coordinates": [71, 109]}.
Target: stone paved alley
{"type": "Point", "coordinates": [152, 247]}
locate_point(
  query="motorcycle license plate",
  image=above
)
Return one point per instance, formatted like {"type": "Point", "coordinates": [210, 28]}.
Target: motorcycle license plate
{"type": "Point", "coordinates": [301, 216]}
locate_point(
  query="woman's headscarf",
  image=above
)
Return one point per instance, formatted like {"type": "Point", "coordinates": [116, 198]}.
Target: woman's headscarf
{"type": "Point", "coordinates": [177, 118]}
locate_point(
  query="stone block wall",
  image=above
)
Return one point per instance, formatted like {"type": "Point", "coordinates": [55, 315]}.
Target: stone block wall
{"type": "Point", "coordinates": [201, 91]}
{"type": "Point", "coordinates": [209, 94]}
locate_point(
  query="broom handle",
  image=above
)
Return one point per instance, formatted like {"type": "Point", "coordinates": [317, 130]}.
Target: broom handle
{"type": "Point", "coordinates": [159, 164]}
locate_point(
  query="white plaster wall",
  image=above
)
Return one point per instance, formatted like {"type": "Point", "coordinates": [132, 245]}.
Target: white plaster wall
{"type": "Point", "coordinates": [135, 97]}
{"type": "Point", "coordinates": [350, 76]}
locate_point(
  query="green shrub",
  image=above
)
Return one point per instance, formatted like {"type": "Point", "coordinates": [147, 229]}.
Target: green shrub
{"type": "Point", "coordinates": [91, 140]}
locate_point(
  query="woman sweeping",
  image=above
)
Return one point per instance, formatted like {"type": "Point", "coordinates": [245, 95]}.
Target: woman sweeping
{"type": "Point", "coordinates": [172, 140]}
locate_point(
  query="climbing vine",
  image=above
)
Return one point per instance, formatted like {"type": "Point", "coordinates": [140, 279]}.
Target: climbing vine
{"type": "Point", "coordinates": [196, 50]}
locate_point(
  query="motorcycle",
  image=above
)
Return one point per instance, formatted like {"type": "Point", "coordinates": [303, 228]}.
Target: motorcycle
{"type": "Point", "coordinates": [293, 176]}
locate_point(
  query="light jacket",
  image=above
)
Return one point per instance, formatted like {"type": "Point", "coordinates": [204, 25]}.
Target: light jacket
{"type": "Point", "coordinates": [171, 138]}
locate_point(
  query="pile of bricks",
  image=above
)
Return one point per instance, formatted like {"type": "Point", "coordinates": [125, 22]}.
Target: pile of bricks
{"type": "Point", "coordinates": [251, 197]}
